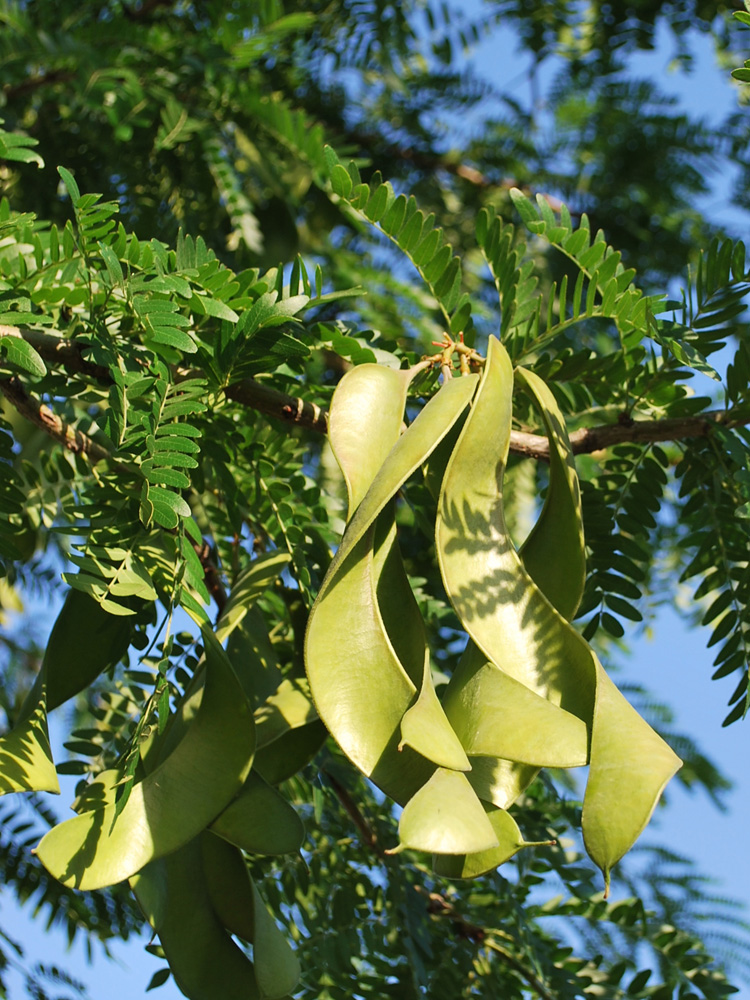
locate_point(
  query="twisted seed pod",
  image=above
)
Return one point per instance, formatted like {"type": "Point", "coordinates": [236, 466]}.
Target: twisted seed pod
{"type": "Point", "coordinates": [515, 626]}
{"type": "Point", "coordinates": [173, 803]}
{"type": "Point", "coordinates": [195, 898]}
{"type": "Point", "coordinates": [558, 530]}
{"type": "Point", "coordinates": [360, 686]}
{"type": "Point", "coordinates": [260, 820]}
{"type": "Point", "coordinates": [85, 640]}
{"type": "Point", "coordinates": [240, 908]}
{"type": "Point", "coordinates": [486, 706]}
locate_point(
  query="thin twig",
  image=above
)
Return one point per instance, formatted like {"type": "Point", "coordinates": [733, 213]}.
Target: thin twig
{"type": "Point", "coordinates": [590, 439]}
{"type": "Point", "coordinates": [31, 83]}
{"type": "Point", "coordinates": [521, 969]}
{"type": "Point", "coordinates": [368, 835]}
{"type": "Point", "coordinates": [439, 906]}
{"type": "Point", "coordinates": [211, 576]}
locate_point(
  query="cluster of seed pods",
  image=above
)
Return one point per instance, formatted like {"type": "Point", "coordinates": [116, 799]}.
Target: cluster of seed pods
{"type": "Point", "coordinates": [528, 692]}
{"type": "Point", "coordinates": [202, 794]}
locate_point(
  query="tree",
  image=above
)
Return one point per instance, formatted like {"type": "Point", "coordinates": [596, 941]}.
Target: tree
{"type": "Point", "coordinates": [199, 259]}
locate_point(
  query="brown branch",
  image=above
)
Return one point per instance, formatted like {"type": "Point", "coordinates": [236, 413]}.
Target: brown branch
{"type": "Point", "coordinates": [302, 413]}
{"type": "Point", "coordinates": [144, 11]}
{"type": "Point", "coordinates": [211, 575]}
{"type": "Point", "coordinates": [368, 835]}
{"type": "Point", "coordinates": [431, 163]}
{"type": "Point", "coordinates": [32, 83]}
{"type": "Point", "coordinates": [42, 416]}
{"type": "Point", "coordinates": [439, 906]}
{"type": "Point", "coordinates": [59, 350]}
{"type": "Point", "coordinates": [590, 439]}
{"type": "Point", "coordinates": [278, 404]}
{"type": "Point", "coordinates": [510, 960]}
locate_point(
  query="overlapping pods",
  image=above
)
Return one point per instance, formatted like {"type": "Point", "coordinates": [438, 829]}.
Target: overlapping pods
{"type": "Point", "coordinates": [198, 800]}
{"type": "Point", "coordinates": [528, 692]}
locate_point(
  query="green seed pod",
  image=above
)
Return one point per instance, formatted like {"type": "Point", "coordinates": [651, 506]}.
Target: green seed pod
{"type": "Point", "coordinates": [175, 896]}
{"type": "Point", "coordinates": [85, 640]}
{"type": "Point", "coordinates": [260, 820]}
{"type": "Point", "coordinates": [360, 686]}
{"type": "Point", "coordinates": [518, 630]}
{"type": "Point", "coordinates": [173, 803]}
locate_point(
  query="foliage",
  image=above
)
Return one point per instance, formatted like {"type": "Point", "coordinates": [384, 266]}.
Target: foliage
{"type": "Point", "coordinates": [168, 348]}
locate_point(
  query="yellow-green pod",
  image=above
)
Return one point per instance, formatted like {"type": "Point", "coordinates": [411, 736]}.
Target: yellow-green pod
{"type": "Point", "coordinates": [260, 820]}
{"type": "Point", "coordinates": [518, 629]}
{"type": "Point", "coordinates": [240, 908]}
{"type": "Point", "coordinates": [364, 422]}
{"type": "Point", "coordinates": [85, 640]}
{"type": "Point", "coordinates": [494, 715]}
{"type": "Point", "coordinates": [175, 897]}
{"type": "Point", "coordinates": [280, 760]}
{"type": "Point", "coordinates": [554, 554]}
{"type": "Point", "coordinates": [173, 803]}
{"type": "Point", "coordinates": [360, 687]}
{"type": "Point", "coordinates": [446, 817]}
{"type": "Point", "coordinates": [479, 863]}
{"type": "Point", "coordinates": [558, 529]}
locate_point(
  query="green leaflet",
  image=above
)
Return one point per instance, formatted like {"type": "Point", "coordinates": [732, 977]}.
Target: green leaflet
{"type": "Point", "coordinates": [85, 640]}
{"type": "Point", "coordinates": [517, 628]}
{"type": "Point", "coordinates": [359, 685]}
{"type": "Point", "coordinates": [260, 820]}
{"type": "Point", "coordinates": [173, 803]}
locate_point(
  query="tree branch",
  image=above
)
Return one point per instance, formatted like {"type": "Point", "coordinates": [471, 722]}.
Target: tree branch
{"type": "Point", "coordinates": [589, 439]}
{"type": "Point", "coordinates": [437, 904]}
{"type": "Point", "coordinates": [278, 404]}
{"type": "Point", "coordinates": [13, 90]}
{"type": "Point", "coordinates": [367, 834]}
{"type": "Point", "coordinates": [510, 960]}
{"type": "Point", "coordinates": [144, 11]}
{"type": "Point", "coordinates": [42, 416]}
{"type": "Point", "coordinates": [302, 413]}
{"type": "Point", "coordinates": [59, 350]}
